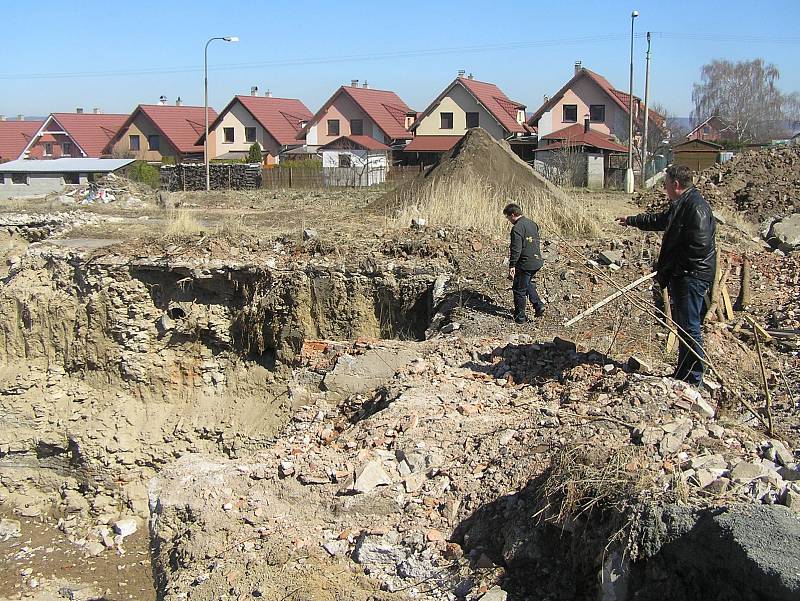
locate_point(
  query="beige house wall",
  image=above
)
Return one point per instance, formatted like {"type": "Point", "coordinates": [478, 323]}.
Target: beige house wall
{"type": "Point", "coordinates": [583, 94]}
{"type": "Point", "coordinates": [143, 127]}
{"type": "Point", "coordinates": [459, 102]}
{"type": "Point", "coordinates": [238, 117]}
{"type": "Point", "coordinates": [344, 109]}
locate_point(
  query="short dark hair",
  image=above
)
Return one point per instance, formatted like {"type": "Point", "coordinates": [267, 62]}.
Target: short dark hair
{"type": "Point", "coordinates": [681, 174]}
{"type": "Point", "coordinates": [512, 210]}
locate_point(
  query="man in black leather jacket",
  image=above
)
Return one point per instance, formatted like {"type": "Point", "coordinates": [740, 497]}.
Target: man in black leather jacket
{"type": "Point", "coordinates": [686, 263]}
{"type": "Point", "coordinates": [524, 261]}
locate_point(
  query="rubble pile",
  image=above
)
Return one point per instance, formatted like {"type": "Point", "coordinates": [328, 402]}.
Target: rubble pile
{"type": "Point", "coordinates": [38, 227]}
{"type": "Point", "coordinates": [761, 184]}
{"type": "Point", "coordinates": [392, 481]}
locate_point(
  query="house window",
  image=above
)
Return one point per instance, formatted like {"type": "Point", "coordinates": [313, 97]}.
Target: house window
{"type": "Point", "coordinates": [71, 178]}
{"type": "Point", "coordinates": [154, 142]}
{"type": "Point", "coordinates": [228, 135]}
{"type": "Point", "coordinates": [133, 142]}
{"type": "Point", "coordinates": [48, 149]}
{"type": "Point", "coordinates": [357, 127]}
{"type": "Point", "coordinates": [570, 113]}
{"type": "Point", "coordinates": [19, 178]}
{"type": "Point", "coordinates": [333, 127]}
{"type": "Point", "coordinates": [706, 130]}
{"type": "Point", "coordinates": [66, 149]}
{"type": "Point", "coordinates": [250, 134]}
{"type": "Point", "coordinates": [2, 178]}
{"type": "Point", "coordinates": [345, 160]}
{"type": "Point", "coordinates": [447, 121]}
{"type": "Point", "coordinates": [472, 120]}
{"type": "Point", "coordinates": [597, 113]}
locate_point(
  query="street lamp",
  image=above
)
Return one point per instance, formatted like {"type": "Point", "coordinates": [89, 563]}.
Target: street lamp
{"type": "Point", "coordinates": [629, 172]}
{"type": "Point", "coordinates": [229, 38]}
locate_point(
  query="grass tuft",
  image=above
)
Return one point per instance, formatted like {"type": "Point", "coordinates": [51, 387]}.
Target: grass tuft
{"type": "Point", "coordinates": [183, 223]}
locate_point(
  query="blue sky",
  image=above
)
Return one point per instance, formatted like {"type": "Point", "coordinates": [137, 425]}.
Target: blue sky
{"type": "Point", "coordinates": [58, 55]}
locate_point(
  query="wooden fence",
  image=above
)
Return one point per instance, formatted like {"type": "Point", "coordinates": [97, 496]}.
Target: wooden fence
{"type": "Point", "coordinates": [293, 177]}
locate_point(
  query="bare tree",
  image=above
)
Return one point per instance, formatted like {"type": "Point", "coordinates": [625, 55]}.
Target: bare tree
{"type": "Point", "coordinates": [745, 94]}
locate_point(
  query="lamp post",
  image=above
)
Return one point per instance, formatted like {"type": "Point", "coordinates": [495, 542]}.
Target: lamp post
{"type": "Point", "coordinates": [629, 184]}
{"type": "Point", "coordinates": [646, 112]}
{"type": "Point", "coordinates": [228, 38]}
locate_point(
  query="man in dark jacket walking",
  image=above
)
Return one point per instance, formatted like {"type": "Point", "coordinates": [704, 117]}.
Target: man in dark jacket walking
{"type": "Point", "coordinates": [686, 263]}
{"type": "Point", "coordinates": [524, 260]}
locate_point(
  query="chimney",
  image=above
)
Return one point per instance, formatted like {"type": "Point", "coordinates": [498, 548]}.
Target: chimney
{"type": "Point", "coordinates": [353, 83]}
{"type": "Point", "coordinates": [2, 117]}
{"type": "Point", "coordinates": [162, 100]}
{"type": "Point", "coordinates": [178, 101]}
{"type": "Point", "coordinates": [20, 117]}
{"type": "Point", "coordinates": [586, 125]}
{"type": "Point", "coordinates": [546, 99]}
{"type": "Point", "coordinates": [461, 73]}
{"type": "Point", "coordinates": [253, 90]}
{"type": "Point", "coordinates": [578, 67]}
{"type": "Point", "coordinates": [470, 76]}
{"type": "Point", "coordinates": [268, 94]}
{"type": "Point", "coordinates": [96, 111]}
{"type": "Point", "coordinates": [79, 111]}
{"type": "Point", "coordinates": [365, 85]}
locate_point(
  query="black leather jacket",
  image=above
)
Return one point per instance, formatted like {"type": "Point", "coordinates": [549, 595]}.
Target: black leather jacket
{"type": "Point", "coordinates": [688, 246]}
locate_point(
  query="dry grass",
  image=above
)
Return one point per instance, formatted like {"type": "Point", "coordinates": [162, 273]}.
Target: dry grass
{"type": "Point", "coordinates": [584, 478]}
{"type": "Point", "coordinates": [182, 223]}
{"type": "Point", "coordinates": [475, 203]}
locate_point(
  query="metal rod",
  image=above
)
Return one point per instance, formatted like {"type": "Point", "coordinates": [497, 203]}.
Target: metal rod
{"type": "Point", "coordinates": [629, 174]}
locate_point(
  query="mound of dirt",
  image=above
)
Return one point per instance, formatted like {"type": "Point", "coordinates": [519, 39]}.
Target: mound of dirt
{"type": "Point", "coordinates": [760, 184]}
{"type": "Point", "coordinates": [476, 155]}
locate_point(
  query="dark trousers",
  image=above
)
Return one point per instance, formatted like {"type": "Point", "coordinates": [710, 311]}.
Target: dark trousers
{"type": "Point", "coordinates": [687, 295]}
{"type": "Point", "coordinates": [524, 288]}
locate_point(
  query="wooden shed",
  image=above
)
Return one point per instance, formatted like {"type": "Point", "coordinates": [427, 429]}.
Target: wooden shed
{"type": "Point", "coordinates": [696, 154]}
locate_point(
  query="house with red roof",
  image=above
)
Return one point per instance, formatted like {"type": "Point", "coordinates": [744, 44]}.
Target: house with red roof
{"type": "Point", "coordinates": [273, 123]}
{"type": "Point", "coordinates": [713, 129]}
{"type": "Point", "coordinates": [73, 135]}
{"type": "Point", "coordinates": [355, 161]}
{"type": "Point", "coordinates": [359, 111]}
{"type": "Point", "coordinates": [590, 95]}
{"type": "Point", "coordinates": [466, 103]}
{"type": "Point", "coordinates": [15, 136]}
{"type": "Point", "coordinates": [155, 131]}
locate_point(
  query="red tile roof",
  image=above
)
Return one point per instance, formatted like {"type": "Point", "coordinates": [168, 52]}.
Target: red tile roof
{"type": "Point", "coordinates": [502, 108]}
{"type": "Point", "coordinates": [432, 143]}
{"type": "Point", "coordinates": [575, 135]}
{"type": "Point", "coordinates": [497, 103]}
{"type": "Point", "coordinates": [621, 98]}
{"type": "Point", "coordinates": [90, 131]}
{"type": "Point", "coordinates": [180, 125]}
{"type": "Point", "coordinates": [281, 117]}
{"type": "Point", "coordinates": [15, 136]}
{"type": "Point", "coordinates": [364, 142]}
{"type": "Point", "coordinates": [385, 108]}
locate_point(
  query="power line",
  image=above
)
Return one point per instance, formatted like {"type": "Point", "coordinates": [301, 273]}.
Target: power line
{"type": "Point", "coordinates": [379, 56]}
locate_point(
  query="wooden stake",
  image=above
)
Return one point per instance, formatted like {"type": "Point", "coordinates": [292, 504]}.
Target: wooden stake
{"type": "Point", "coordinates": [756, 326]}
{"type": "Point", "coordinates": [672, 341]}
{"type": "Point", "coordinates": [726, 299]}
{"type": "Point", "coordinates": [712, 310]}
{"type": "Point", "coordinates": [608, 299]}
{"type": "Point", "coordinates": [743, 300]}
{"type": "Point", "coordinates": [757, 335]}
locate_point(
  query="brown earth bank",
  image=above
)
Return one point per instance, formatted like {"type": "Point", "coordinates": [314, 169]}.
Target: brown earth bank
{"type": "Point", "coordinates": [348, 412]}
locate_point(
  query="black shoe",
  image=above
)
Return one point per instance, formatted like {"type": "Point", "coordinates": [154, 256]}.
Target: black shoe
{"type": "Point", "coordinates": [539, 312]}
{"type": "Point", "coordinates": [523, 320]}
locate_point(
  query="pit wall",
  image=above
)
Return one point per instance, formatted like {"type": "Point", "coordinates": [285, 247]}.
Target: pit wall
{"type": "Point", "coordinates": [110, 368]}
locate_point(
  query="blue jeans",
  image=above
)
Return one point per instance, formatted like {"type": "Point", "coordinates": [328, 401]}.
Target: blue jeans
{"type": "Point", "coordinates": [524, 288]}
{"type": "Point", "coordinates": [687, 295]}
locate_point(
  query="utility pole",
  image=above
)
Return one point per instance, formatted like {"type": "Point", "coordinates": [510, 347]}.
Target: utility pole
{"type": "Point", "coordinates": [629, 181]}
{"type": "Point", "coordinates": [646, 113]}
